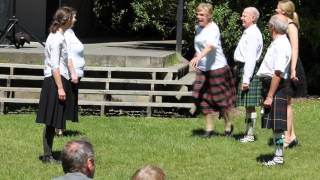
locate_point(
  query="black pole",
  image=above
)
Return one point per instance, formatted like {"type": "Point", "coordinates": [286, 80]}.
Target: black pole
{"type": "Point", "coordinates": [179, 26]}
{"type": "Point", "coordinates": [14, 8]}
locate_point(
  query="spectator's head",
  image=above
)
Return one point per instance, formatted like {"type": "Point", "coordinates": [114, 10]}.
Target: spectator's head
{"type": "Point", "coordinates": [278, 24]}
{"type": "Point", "coordinates": [287, 8]}
{"type": "Point", "coordinates": [204, 14]}
{"type": "Point", "coordinates": [61, 19]}
{"type": "Point", "coordinates": [149, 173]}
{"type": "Point", "coordinates": [78, 156]}
{"type": "Point", "coordinates": [250, 15]}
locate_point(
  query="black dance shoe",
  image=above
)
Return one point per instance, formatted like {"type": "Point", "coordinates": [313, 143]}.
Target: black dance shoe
{"type": "Point", "coordinates": [49, 160]}
{"type": "Point", "coordinates": [229, 133]}
{"type": "Point", "coordinates": [293, 143]}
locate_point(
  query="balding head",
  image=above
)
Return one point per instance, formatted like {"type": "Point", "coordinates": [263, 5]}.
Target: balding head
{"type": "Point", "coordinates": [254, 12]}
{"type": "Point", "coordinates": [250, 15]}
{"type": "Point", "coordinates": [78, 156]}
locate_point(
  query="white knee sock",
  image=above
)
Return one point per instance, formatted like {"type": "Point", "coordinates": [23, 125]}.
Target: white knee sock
{"type": "Point", "coordinates": [278, 142]}
{"type": "Point", "coordinates": [251, 123]}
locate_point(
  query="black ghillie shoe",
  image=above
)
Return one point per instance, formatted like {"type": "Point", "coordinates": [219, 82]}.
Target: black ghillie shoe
{"type": "Point", "coordinates": [229, 133]}
{"type": "Point", "coordinates": [49, 160]}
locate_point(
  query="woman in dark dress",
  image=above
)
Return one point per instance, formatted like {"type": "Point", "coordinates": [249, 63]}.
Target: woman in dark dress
{"type": "Point", "coordinates": [298, 84]}
{"type": "Point", "coordinates": [56, 86]}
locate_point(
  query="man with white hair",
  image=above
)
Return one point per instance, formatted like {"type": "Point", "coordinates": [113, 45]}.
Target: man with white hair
{"type": "Point", "coordinates": [274, 73]}
{"type": "Point", "coordinates": [246, 56]}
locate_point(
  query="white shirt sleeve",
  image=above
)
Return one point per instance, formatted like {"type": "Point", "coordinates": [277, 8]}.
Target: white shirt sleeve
{"type": "Point", "coordinates": [55, 49]}
{"type": "Point", "coordinates": [252, 45]}
{"type": "Point", "coordinates": [281, 60]}
{"type": "Point", "coordinates": [213, 37]}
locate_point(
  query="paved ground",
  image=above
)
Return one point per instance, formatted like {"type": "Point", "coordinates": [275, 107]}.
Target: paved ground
{"type": "Point", "coordinates": [122, 53]}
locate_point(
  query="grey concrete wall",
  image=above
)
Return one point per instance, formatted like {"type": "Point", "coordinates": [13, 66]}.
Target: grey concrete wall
{"type": "Point", "coordinates": [32, 15]}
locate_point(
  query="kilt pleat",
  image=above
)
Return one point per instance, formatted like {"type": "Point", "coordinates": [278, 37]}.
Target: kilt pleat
{"type": "Point", "coordinates": [214, 90]}
{"type": "Point", "coordinates": [52, 111]}
{"type": "Point", "coordinates": [276, 116]}
{"type": "Point", "coordinates": [252, 97]}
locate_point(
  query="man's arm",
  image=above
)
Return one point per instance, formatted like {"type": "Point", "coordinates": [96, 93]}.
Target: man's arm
{"type": "Point", "coordinates": [276, 78]}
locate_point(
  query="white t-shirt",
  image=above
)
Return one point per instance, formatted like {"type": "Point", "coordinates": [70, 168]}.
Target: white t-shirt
{"type": "Point", "coordinates": [75, 51]}
{"type": "Point", "coordinates": [209, 35]}
{"type": "Point", "coordinates": [249, 50]}
{"type": "Point", "coordinates": [277, 58]}
{"type": "Point", "coordinates": [56, 55]}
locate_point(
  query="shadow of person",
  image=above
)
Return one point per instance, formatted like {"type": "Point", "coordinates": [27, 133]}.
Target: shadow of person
{"type": "Point", "coordinates": [270, 142]}
{"type": "Point", "coordinates": [264, 157]}
{"type": "Point", "coordinates": [200, 132]}
{"type": "Point", "coordinates": [71, 133]}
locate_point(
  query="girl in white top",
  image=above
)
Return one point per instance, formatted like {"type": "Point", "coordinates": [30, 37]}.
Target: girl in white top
{"type": "Point", "coordinates": [76, 56]}
{"type": "Point", "coordinates": [213, 88]}
{"type": "Point", "coordinates": [75, 49]}
{"type": "Point", "coordinates": [55, 90]}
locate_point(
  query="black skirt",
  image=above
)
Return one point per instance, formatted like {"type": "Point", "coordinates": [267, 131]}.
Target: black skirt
{"type": "Point", "coordinates": [52, 111]}
{"type": "Point", "coordinates": [298, 88]}
{"type": "Point", "coordinates": [72, 103]}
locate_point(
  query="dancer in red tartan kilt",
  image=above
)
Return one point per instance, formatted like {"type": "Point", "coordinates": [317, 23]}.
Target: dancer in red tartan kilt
{"type": "Point", "coordinates": [213, 89]}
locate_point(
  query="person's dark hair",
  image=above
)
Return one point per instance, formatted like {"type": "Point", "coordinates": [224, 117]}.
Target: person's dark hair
{"type": "Point", "coordinates": [62, 16]}
{"type": "Point", "coordinates": [149, 172]}
{"type": "Point", "coordinates": [75, 155]}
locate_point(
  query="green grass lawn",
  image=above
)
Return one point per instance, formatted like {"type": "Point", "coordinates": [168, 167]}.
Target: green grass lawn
{"type": "Point", "coordinates": [123, 144]}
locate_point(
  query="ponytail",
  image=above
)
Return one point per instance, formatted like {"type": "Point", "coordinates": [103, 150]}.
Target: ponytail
{"type": "Point", "coordinates": [295, 19]}
{"type": "Point", "coordinates": [62, 16]}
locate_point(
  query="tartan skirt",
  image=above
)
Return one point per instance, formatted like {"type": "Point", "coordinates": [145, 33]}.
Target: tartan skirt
{"type": "Point", "coordinates": [276, 116]}
{"type": "Point", "coordinates": [214, 90]}
{"type": "Point", "coordinates": [52, 111]}
{"type": "Point", "coordinates": [252, 97]}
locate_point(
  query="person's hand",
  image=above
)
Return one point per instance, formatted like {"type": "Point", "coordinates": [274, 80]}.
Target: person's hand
{"type": "Point", "coordinates": [293, 75]}
{"type": "Point", "coordinates": [61, 94]}
{"type": "Point", "coordinates": [244, 87]}
{"type": "Point", "coordinates": [195, 61]}
{"type": "Point", "coordinates": [74, 78]}
{"type": "Point", "coordinates": [268, 102]}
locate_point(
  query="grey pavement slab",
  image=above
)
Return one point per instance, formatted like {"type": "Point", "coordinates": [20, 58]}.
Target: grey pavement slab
{"type": "Point", "coordinates": [129, 53]}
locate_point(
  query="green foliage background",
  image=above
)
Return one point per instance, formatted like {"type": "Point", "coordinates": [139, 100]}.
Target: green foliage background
{"type": "Point", "coordinates": [156, 19]}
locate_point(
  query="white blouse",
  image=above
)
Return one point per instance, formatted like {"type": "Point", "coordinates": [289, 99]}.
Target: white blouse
{"type": "Point", "coordinates": [56, 55]}
{"type": "Point", "coordinates": [209, 35]}
{"type": "Point", "coordinates": [75, 51]}
{"type": "Point", "coordinates": [277, 58]}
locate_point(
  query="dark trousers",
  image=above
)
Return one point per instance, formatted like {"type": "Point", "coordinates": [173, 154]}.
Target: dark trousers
{"type": "Point", "coordinates": [48, 136]}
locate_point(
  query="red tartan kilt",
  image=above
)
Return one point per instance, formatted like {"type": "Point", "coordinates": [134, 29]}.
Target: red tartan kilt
{"type": "Point", "coordinates": [214, 90]}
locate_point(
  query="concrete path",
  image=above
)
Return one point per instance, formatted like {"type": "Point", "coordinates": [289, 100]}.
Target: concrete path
{"type": "Point", "coordinates": [129, 53]}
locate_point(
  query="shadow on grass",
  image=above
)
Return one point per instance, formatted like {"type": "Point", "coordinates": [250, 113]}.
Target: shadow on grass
{"type": "Point", "coordinates": [264, 157]}
{"type": "Point", "coordinates": [200, 132]}
{"type": "Point", "coordinates": [270, 142]}
{"type": "Point", "coordinates": [70, 133]}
